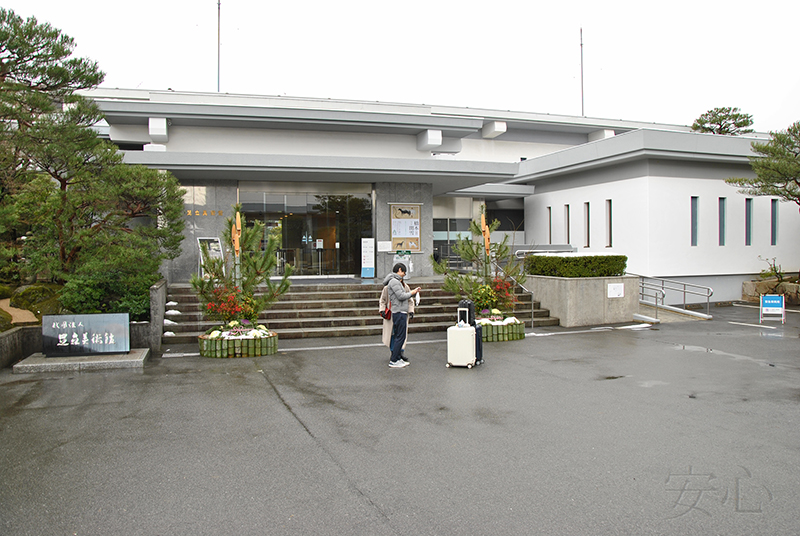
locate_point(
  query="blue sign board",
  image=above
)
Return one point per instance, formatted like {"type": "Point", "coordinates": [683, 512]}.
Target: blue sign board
{"type": "Point", "coordinates": [772, 304]}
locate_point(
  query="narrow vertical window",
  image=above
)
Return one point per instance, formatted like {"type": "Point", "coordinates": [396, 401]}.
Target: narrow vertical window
{"type": "Point", "coordinates": [586, 226]}
{"type": "Point", "coordinates": [694, 219]}
{"type": "Point", "coordinates": [774, 223]}
{"type": "Point", "coordinates": [748, 221]}
{"type": "Point", "coordinates": [549, 225]}
{"type": "Point", "coordinates": [723, 217]}
{"type": "Point", "coordinates": [609, 225]}
{"type": "Point", "coordinates": [566, 225]}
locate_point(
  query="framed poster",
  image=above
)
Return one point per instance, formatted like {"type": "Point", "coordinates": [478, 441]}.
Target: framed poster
{"type": "Point", "coordinates": [214, 251]}
{"type": "Point", "coordinates": [405, 227]}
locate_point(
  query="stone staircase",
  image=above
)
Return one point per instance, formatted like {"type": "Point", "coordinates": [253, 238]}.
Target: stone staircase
{"type": "Point", "coordinates": [334, 310]}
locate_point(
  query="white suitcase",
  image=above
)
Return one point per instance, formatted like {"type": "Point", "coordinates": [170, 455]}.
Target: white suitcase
{"type": "Point", "coordinates": [461, 346]}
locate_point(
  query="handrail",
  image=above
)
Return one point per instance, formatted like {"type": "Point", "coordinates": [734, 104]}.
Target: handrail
{"type": "Point", "coordinates": [500, 268]}
{"type": "Point", "coordinates": [657, 293]}
{"type": "Point", "coordinates": [682, 287]}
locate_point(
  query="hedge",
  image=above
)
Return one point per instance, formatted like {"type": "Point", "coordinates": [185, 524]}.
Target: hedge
{"type": "Point", "coordinates": [568, 266]}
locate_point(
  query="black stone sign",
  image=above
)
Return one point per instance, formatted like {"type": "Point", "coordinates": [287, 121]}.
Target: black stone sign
{"type": "Point", "coordinates": [65, 335]}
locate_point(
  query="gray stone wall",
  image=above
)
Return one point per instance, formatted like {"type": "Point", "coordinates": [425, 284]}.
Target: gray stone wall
{"type": "Point", "coordinates": [207, 206]}
{"type": "Point", "coordinates": [401, 192]}
{"type": "Point", "coordinates": [18, 343]}
{"type": "Point", "coordinates": [585, 301]}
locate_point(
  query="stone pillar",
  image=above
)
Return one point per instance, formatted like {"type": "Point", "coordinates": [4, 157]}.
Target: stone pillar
{"type": "Point", "coordinates": [402, 192]}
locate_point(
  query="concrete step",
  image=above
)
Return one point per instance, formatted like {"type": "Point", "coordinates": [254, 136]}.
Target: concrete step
{"type": "Point", "coordinates": [370, 329]}
{"type": "Point", "coordinates": [325, 310]}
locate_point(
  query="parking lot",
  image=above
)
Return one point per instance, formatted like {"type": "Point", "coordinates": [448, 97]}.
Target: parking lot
{"type": "Point", "coordinates": [678, 428]}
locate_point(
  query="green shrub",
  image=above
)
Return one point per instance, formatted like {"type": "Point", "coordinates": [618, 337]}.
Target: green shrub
{"type": "Point", "coordinates": [5, 321]}
{"type": "Point", "coordinates": [568, 266]}
{"type": "Point", "coordinates": [109, 292]}
{"type": "Point", "coordinates": [29, 296]}
{"type": "Point", "coordinates": [5, 292]}
{"type": "Point", "coordinates": [38, 298]}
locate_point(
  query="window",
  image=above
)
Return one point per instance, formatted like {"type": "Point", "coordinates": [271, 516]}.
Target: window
{"type": "Point", "coordinates": [609, 227]}
{"type": "Point", "coordinates": [695, 202]}
{"type": "Point", "coordinates": [586, 228]}
{"type": "Point", "coordinates": [566, 224]}
{"type": "Point", "coordinates": [549, 225]}
{"type": "Point", "coordinates": [723, 216]}
{"type": "Point", "coordinates": [510, 219]}
{"type": "Point", "coordinates": [748, 221]}
{"type": "Point", "coordinates": [773, 240]}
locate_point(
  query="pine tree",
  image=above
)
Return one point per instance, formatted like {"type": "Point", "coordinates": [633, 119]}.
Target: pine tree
{"type": "Point", "coordinates": [777, 167]}
{"type": "Point", "coordinates": [724, 121]}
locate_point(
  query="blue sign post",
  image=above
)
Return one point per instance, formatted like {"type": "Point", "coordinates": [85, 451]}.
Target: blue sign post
{"type": "Point", "coordinates": [771, 305]}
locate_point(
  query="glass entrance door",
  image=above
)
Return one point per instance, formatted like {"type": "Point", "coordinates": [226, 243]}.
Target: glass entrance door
{"type": "Point", "coordinates": [320, 233]}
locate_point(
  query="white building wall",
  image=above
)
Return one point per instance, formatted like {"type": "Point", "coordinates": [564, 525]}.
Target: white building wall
{"type": "Point", "coordinates": [302, 142]}
{"type": "Point", "coordinates": [651, 223]}
{"type": "Point", "coordinates": [504, 151]}
{"type": "Point", "coordinates": [629, 219]}
{"type": "Point", "coordinates": [670, 221]}
{"type": "Point", "coordinates": [291, 142]}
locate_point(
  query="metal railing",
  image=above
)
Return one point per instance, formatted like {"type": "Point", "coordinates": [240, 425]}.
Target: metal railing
{"type": "Point", "coordinates": [498, 268]}
{"type": "Point", "coordinates": [659, 288]}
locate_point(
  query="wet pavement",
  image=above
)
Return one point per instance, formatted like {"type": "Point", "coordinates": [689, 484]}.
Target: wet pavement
{"type": "Point", "coordinates": [681, 428]}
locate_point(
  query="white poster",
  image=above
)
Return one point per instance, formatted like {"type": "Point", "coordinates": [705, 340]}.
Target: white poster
{"type": "Point", "coordinates": [405, 227]}
{"type": "Point", "coordinates": [367, 257]}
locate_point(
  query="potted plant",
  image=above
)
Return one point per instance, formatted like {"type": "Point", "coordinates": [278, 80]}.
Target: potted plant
{"type": "Point", "coordinates": [490, 285]}
{"type": "Point", "coordinates": [235, 289]}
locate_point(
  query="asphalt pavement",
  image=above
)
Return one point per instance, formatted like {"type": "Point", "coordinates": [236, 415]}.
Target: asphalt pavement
{"type": "Point", "coordinates": [681, 428]}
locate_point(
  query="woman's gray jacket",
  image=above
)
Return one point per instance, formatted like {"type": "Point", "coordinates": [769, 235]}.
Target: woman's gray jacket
{"type": "Point", "coordinates": [398, 295]}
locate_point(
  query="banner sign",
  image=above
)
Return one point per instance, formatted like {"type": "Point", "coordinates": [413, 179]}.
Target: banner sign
{"type": "Point", "coordinates": [405, 227]}
{"type": "Point", "coordinates": [368, 257]}
{"type": "Point", "coordinates": [772, 304]}
{"type": "Point", "coordinates": [66, 335]}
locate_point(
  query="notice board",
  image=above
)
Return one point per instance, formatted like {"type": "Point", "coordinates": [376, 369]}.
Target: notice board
{"type": "Point", "coordinates": [406, 226]}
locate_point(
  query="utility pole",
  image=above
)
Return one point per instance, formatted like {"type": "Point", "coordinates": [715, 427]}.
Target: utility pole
{"type": "Point", "coordinates": [219, 38]}
{"type": "Point", "coordinates": [583, 113]}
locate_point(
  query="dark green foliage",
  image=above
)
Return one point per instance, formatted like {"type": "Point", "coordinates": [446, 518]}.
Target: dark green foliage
{"type": "Point", "coordinates": [38, 298]}
{"type": "Point", "coordinates": [87, 220]}
{"type": "Point", "coordinates": [38, 77]}
{"type": "Point", "coordinates": [5, 321]}
{"type": "Point", "coordinates": [591, 266]}
{"type": "Point", "coordinates": [5, 292]}
{"type": "Point", "coordinates": [777, 167]}
{"type": "Point", "coordinates": [724, 121]}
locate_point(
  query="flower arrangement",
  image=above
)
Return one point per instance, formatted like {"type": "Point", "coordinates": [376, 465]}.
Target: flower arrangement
{"type": "Point", "coordinates": [504, 293]}
{"type": "Point", "coordinates": [494, 315]}
{"type": "Point", "coordinates": [238, 339]}
{"type": "Point", "coordinates": [492, 270]}
{"type": "Point", "coordinates": [234, 290]}
{"type": "Point", "coordinates": [229, 304]}
{"type": "Point", "coordinates": [484, 297]}
{"type": "Point", "coordinates": [238, 329]}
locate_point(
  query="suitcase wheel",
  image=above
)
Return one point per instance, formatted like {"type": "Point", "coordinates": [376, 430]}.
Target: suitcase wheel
{"type": "Point", "coordinates": [448, 365]}
{"type": "Point", "coordinates": [469, 366]}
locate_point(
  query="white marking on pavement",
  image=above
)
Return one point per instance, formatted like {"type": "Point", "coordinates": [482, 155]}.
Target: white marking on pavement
{"type": "Point", "coordinates": [592, 330]}
{"type": "Point", "coordinates": [372, 345]}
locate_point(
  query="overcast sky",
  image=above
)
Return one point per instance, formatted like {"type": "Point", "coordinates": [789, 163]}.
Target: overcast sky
{"type": "Point", "coordinates": [667, 63]}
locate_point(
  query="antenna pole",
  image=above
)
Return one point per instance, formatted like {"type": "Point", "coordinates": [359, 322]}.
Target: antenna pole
{"type": "Point", "coordinates": [583, 113]}
{"type": "Point", "coordinates": [219, 36]}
